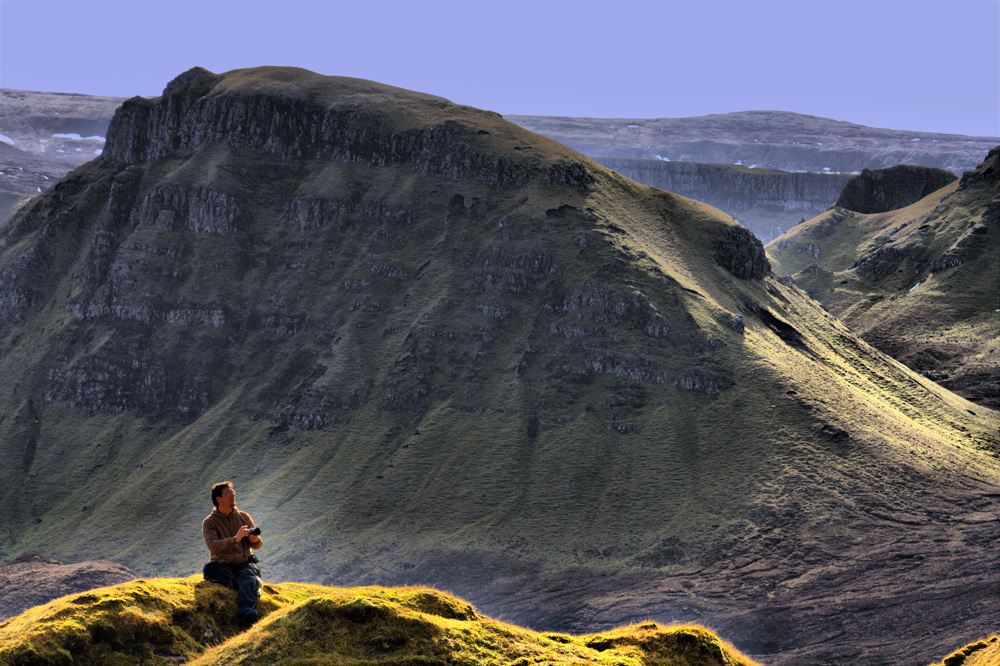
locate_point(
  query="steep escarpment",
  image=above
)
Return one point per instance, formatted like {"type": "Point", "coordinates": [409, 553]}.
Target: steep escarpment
{"type": "Point", "coordinates": [430, 346]}
{"type": "Point", "coordinates": [766, 201]}
{"type": "Point", "coordinates": [919, 282]}
{"type": "Point", "coordinates": [293, 127]}
{"type": "Point", "coordinates": [883, 190]}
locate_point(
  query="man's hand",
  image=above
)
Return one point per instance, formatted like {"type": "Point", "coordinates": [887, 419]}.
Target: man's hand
{"type": "Point", "coordinates": [243, 533]}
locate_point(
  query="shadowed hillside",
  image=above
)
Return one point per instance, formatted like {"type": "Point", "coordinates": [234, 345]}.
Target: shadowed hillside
{"type": "Point", "coordinates": [164, 621]}
{"type": "Point", "coordinates": [921, 283]}
{"type": "Point", "coordinates": [431, 347]}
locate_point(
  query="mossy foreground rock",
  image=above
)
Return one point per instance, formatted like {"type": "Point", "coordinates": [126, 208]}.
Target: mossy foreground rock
{"type": "Point", "coordinates": [176, 620]}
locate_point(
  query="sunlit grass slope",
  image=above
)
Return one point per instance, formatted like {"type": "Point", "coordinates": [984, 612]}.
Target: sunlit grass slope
{"type": "Point", "coordinates": [921, 283]}
{"type": "Point", "coordinates": [160, 621]}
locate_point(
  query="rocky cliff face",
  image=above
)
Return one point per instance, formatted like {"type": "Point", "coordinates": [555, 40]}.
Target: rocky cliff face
{"type": "Point", "coordinates": [767, 202]}
{"type": "Point", "coordinates": [182, 205]}
{"type": "Point", "coordinates": [298, 129]}
{"type": "Point", "coordinates": [457, 353]}
{"type": "Point", "coordinates": [883, 190]}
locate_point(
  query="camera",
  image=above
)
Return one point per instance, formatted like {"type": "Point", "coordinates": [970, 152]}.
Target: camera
{"type": "Point", "coordinates": [246, 542]}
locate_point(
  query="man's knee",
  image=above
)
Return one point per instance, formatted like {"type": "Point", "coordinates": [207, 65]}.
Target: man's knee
{"type": "Point", "coordinates": [219, 573]}
{"type": "Point", "coordinates": [250, 583]}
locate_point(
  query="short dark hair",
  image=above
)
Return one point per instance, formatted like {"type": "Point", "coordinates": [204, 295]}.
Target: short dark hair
{"type": "Point", "coordinates": [217, 491]}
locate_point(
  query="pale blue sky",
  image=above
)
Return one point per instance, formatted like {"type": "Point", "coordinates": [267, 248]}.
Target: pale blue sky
{"type": "Point", "coordinates": [912, 65]}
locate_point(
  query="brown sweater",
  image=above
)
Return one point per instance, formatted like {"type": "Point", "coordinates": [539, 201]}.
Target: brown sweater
{"type": "Point", "coordinates": [219, 531]}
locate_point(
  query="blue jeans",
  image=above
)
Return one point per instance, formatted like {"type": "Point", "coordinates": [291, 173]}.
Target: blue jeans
{"type": "Point", "coordinates": [244, 578]}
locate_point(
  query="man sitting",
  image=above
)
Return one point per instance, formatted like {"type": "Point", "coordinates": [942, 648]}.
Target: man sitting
{"type": "Point", "coordinates": [227, 533]}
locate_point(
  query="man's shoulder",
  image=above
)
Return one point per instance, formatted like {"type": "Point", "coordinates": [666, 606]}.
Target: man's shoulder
{"type": "Point", "coordinates": [246, 517]}
{"type": "Point", "coordinates": [211, 517]}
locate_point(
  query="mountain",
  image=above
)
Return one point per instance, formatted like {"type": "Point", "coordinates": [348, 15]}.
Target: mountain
{"type": "Point", "coordinates": [921, 282]}
{"type": "Point", "coordinates": [769, 139]}
{"type": "Point", "coordinates": [766, 201]}
{"type": "Point", "coordinates": [191, 621]}
{"type": "Point", "coordinates": [431, 347]}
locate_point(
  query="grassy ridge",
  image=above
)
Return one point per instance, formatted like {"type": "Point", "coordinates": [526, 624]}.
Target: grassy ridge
{"type": "Point", "coordinates": [152, 621]}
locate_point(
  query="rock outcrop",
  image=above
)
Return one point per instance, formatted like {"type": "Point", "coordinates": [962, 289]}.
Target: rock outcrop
{"type": "Point", "coordinates": [741, 253]}
{"type": "Point", "coordinates": [882, 190]}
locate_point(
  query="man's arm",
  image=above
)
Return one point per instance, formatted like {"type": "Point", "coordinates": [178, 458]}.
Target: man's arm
{"type": "Point", "coordinates": [219, 545]}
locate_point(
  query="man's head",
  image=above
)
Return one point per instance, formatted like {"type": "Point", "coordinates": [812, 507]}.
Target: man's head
{"type": "Point", "coordinates": [223, 496]}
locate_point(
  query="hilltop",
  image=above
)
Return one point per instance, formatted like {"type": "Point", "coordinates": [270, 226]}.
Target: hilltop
{"type": "Point", "coordinates": [921, 282]}
{"type": "Point", "coordinates": [981, 653]}
{"type": "Point", "coordinates": [883, 190]}
{"type": "Point", "coordinates": [431, 347]}
{"type": "Point", "coordinates": [188, 620]}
